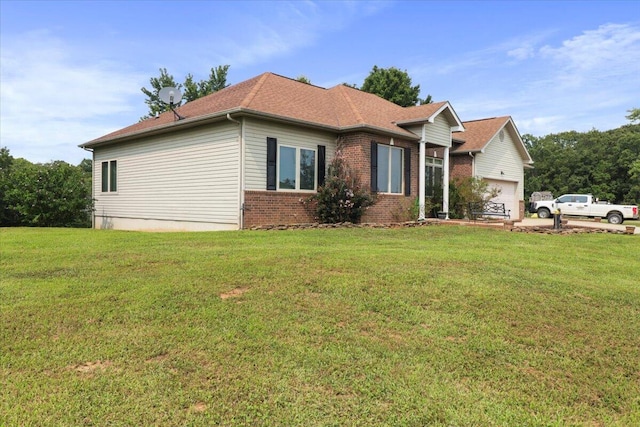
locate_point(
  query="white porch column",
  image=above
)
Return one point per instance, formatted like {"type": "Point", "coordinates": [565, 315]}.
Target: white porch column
{"type": "Point", "coordinates": [421, 179]}
{"type": "Point", "coordinates": [445, 184]}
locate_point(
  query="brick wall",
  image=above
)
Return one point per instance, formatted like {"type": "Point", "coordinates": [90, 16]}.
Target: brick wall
{"type": "Point", "coordinates": [460, 166]}
{"type": "Point", "coordinates": [356, 149]}
{"type": "Point", "coordinates": [275, 207]}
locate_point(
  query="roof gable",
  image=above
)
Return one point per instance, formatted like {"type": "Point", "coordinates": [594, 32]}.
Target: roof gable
{"type": "Point", "coordinates": [428, 112]}
{"type": "Point", "coordinates": [479, 133]}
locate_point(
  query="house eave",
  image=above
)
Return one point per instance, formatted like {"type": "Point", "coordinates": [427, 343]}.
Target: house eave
{"type": "Point", "coordinates": [161, 129]}
{"type": "Point", "coordinates": [239, 111]}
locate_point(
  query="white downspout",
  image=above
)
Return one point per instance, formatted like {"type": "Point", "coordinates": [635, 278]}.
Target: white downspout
{"type": "Point", "coordinates": [473, 164]}
{"type": "Point", "coordinates": [240, 171]}
{"type": "Point", "coordinates": [445, 186]}
{"type": "Point", "coordinates": [421, 176]}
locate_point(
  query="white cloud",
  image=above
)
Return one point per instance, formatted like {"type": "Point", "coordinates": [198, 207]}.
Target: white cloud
{"type": "Point", "coordinates": [522, 53]}
{"type": "Point", "coordinates": [52, 100]}
{"type": "Point", "coordinates": [276, 29]}
{"type": "Point", "coordinates": [586, 81]}
{"type": "Point", "coordinates": [608, 46]}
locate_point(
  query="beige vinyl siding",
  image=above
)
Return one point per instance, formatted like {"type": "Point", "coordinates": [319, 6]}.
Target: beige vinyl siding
{"type": "Point", "coordinates": [255, 137]}
{"type": "Point", "coordinates": [439, 132]}
{"type": "Point", "coordinates": [501, 161]}
{"type": "Point", "coordinates": [189, 176]}
{"type": "Point", "coordinates": [417, 129]}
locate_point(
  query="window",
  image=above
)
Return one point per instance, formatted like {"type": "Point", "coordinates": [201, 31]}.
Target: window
{"type": "Point", "coordinates": [296, 168]}
{"type": "Point", "coordinates": [389, 173]}
{"type": "Point", "coordinates": [433, 176]}
{"type": "Point", "coordinates": [566, 199]}
{"type": "Point", "coordinates": [110, 176]}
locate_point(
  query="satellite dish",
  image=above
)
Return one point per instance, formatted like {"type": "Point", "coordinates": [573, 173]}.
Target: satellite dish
{"type": "Point", "coordinates": [170, 95]}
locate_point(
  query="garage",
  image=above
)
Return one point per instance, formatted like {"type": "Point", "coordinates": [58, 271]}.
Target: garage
{"type": "Point", "coordinates": [507, 195]}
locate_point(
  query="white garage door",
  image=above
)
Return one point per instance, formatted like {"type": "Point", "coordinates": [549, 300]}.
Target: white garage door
{"type": "Point", "coordinates": [507, 196]}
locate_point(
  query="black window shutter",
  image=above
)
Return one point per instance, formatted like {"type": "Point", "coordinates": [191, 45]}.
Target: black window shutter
{"type": "Point", "coordinates": [321, 164]}
{"type": "Point", "coordinates": [272, 150]}
{"type": "Point", "coordinates": [374, 166]}
{"type": "Point", "coordinates": [407, 171]}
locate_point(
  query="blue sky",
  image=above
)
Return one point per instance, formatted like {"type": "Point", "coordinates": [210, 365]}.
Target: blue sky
{"type": "Point", "coordinates": [72, 71]}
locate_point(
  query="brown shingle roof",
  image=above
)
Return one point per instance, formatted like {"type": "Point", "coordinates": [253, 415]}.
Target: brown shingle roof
{"type": "Point", "coordinates": [478, 133]}
{"type": "Point", "coordinates": [340, 108]}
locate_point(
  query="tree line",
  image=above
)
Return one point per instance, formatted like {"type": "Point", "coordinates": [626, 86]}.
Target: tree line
{"type": "Point", "coordinates": [54, 194]}
{"type": "Point", "coordinates": [603, 163]}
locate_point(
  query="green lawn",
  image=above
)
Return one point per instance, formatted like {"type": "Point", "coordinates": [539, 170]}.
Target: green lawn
{"type": "Point", "coordinates": [439, 325]}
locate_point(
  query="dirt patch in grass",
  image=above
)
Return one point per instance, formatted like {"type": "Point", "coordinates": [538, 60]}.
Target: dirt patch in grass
{"type": "Point", "coordinates": [234, 293]}
{"type": "Point", "coordinates": [198, 407]}
{"type": "Point", "coordinates": [91, 367]}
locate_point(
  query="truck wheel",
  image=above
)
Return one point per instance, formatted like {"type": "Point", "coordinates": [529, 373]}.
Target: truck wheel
{"type": "Point", "coordinates": [544, 213]}
{"type": "Point", "coordinates": [614, 218]}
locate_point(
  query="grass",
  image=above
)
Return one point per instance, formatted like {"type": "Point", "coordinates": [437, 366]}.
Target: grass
{"type": "Point", "coordinates": [439, 325]}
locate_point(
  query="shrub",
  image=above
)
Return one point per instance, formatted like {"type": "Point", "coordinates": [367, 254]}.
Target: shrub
{"type": "Point", "coordinates": [463, 191]}
{"type": "Point", "coordinates": [341, 198]}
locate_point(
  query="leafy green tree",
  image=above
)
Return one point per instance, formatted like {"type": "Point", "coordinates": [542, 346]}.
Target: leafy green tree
{"type": "Point", "coordinates": [634, 115]}
{"type": "Point", "coordinates": [303, 79]}
{"type": "Point", "coordinates": [153, 100]}
{"type": "Point", "coordinates": [54, 194]}
{"type": "Point", "coordinates": [217, 81]}
{"type": "Point", "coordinates": [192, 90]}
{"type": "Point", "coordinates": [6, 161]}
{"type": "Point", "coordinates": [393, 85]}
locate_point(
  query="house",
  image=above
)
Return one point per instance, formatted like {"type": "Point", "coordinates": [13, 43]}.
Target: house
{"type": "Point", "coordinates": [251, 154]}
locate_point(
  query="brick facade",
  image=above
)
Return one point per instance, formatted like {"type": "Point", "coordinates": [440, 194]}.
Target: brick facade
{"type": "Point", "coordinates": [460, 167]}
{"type": "Point", "coordinates": [276, 207]}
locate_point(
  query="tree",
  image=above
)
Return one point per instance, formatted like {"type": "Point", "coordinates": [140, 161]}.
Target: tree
{"type": "Point", "coordinates": [393, 85]}
{"type": "Point", "coordinates": [192, 90]}
{"type": "Point", "coordinates": [6, 161]}
{"type": "Point", "coordinates": [634, 115]}
{"type": "Point", "coordinates": [217, 81]}
{"type": "Point", "coordinates": [303, 79]}
{"type": "Point", "coordinates": [157, 83]}
{"type": "Point", "coordinates": [54, 194]}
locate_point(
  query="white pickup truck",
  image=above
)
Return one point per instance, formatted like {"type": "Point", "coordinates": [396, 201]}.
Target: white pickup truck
{"type": "Point", "coordinates": [584, 205]}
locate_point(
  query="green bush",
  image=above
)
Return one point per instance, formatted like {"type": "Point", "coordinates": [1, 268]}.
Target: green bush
{"type": "Point", "coordinates": [468, 190]}
{"type": "Point", "coordinates": [341, 198]}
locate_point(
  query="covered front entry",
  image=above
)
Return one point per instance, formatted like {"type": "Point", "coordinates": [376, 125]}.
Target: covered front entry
{"type": "Point", "coordinates": [507, 196]}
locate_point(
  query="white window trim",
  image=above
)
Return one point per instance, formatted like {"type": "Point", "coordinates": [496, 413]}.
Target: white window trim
{"type": "Point", "coordinates": [388, 166]}
{"type": "Point", "coordinates": [297, 170]}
